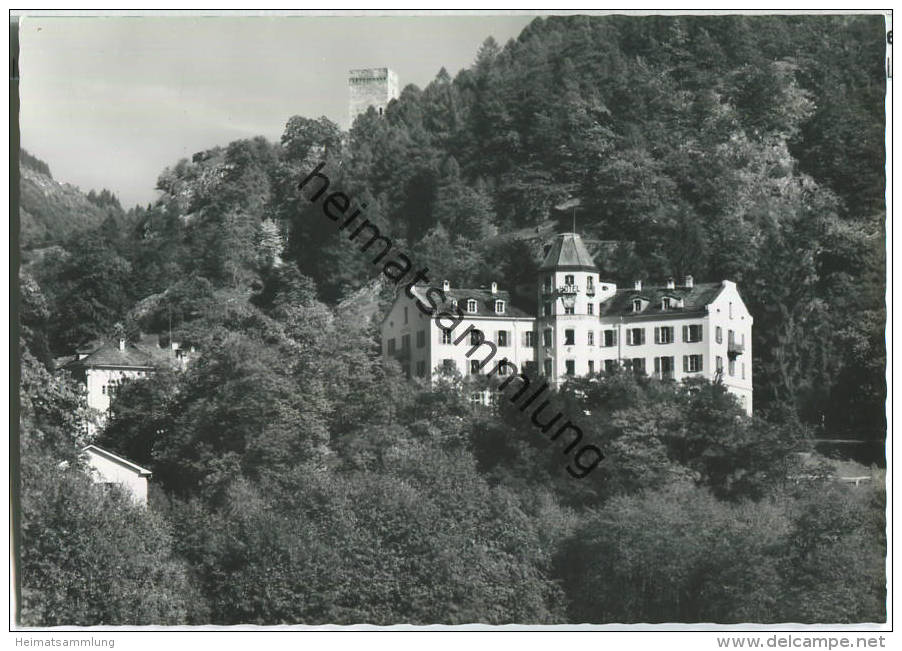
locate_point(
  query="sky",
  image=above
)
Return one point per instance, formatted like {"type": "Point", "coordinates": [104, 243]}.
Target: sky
{"type": "Point", "coordinates": [108, 102]}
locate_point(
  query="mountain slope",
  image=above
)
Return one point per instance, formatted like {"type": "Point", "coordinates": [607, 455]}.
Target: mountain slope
{"type": "Point", "coordinates": [49, 211]}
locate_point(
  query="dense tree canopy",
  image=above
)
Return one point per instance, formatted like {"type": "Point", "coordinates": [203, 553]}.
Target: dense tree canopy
{"type": "Point", "coordinates": [300, 478]}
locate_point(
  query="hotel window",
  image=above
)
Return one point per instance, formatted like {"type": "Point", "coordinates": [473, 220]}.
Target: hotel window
{"type": "Point", "coordinates": [692, 334]}
{"type": "Point", "coordinates": [591, 366]}
{"type": "Point", "coordinates": [610, 338]}
{"type": "Point", "coordinates": [405, 315]}
{"type": "Point", "coordinates": [529, 339]}
{"type": "Point", "coordinates": [546, 309]}
{"type": "Point", "coordinates": [638, 365]}
{"type": "Point", "coordinates": [664, 335]}
{"type": "Point", "coordinates": [476, 398]}
{"type": "Point", "coordinates": [692, 363]}
{"type": "Point", "coordinates": [718, 335]}
{"type": "Point", "coordinates": [446, 336]}
{"type": "Point", "coordinates": [421, 339]}
{"type": "Point", "coordinates": [448, 365]}
{"type": "Point", "coordinates": [546, 338]}
{"type": "Point", "coordinates": [547, 366]}
{"type": "Point", "coordinates": [474, 366]}
{"type": "Point", "coordinates": [421, 369]}
{"type": "Point", "coordinates": [591, 308]}
{"type": "Point", "coordinates": [609, 365]}
{"type": "Point", "coordinates": [732, 368]}
{"type": "Point", "coordinates": [719, 364]}
{"type": "Point", "coordinates": [568, 280]}
{"type": "Point", "coordinates": [499, 307]}
{"type": "Point", "coordinates": [664, 368]}
{"type": "Point", "coordinates": [635, 336]}
{"type": "Point", "coordinates": [571, 367]}
{"type": "Point", "coordinates": [391, 346]}
{"type": "Point", "coordinates": [569, 337]}
{"type": "Point", "coordinates": [591, 338]}
{"type": "Point", "coordinates": [590, 286]}
{"type": "Point", "coordinates": [637, 305]}
{"type": "Point", "coordinates": [405, 342]}
{"type": "Point", "coordinates": [471, 306]}
{"type": "Point", "coordinates": [503, 338]}
{"type": "Point", "coordinates": [569, 309]}
{"type": "Point", "coordinates": [476, 337]}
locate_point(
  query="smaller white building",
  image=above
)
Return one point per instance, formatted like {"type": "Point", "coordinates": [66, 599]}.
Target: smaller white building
{"type": "Point", "coordinates": [108, 468]}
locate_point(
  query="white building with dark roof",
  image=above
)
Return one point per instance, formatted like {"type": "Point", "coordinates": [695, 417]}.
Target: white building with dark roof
{"type": "Point", "coordinates": [103, 366]}
{"type": "Point", "coordinates": [585, 326]}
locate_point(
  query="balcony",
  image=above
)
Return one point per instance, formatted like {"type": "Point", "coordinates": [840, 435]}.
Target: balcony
{"type": "Point", "coordinates": [734, 350]}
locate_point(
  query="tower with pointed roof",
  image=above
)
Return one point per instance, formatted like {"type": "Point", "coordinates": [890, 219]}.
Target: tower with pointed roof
{"type": "Point", "coordinates": [569, 293]}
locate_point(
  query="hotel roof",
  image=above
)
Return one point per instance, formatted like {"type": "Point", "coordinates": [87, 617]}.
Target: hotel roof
{"type": "Point", "coordinates": [568, 253]}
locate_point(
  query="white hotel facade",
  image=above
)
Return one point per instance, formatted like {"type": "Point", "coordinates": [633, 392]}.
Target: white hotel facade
{"type": "Point", "coordinates": [585, 326]}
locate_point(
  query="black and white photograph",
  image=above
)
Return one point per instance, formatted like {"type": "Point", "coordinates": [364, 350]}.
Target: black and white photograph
{"type": "Point", "coordinates": [484, 320]}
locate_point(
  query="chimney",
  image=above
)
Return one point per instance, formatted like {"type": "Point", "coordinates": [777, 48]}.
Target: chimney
{"type": "Point", "coordinates": [671, 283]}
{"type": "Point", "coordinates": [494, 288]}
{"type": "Point", "coordinates": [637, 285]}
{"type": "Point", "coordinates": [689, 281]}
{"type": "Point", "coordinates": [446, 285]}
{"type": "Point", "coordinates": [121, 343]}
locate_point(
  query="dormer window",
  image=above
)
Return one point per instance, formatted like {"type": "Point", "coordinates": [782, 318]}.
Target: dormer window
{"type": "Point", "coordinates": [666, 303]}
{"type": "Point", "coordinates": [568, 280]}
{"type": "Point", "coordinates": [499, 307]}
{"type": "Point", "coordinates": [637, 305]}
{"type": "Point", "coordinates": [471, 306]}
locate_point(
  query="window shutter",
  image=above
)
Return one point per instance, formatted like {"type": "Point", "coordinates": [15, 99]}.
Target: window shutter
{"type": "Point", "coordinates": [657, 335]}
{"type": "Point", "coordinates": [629, 337]}
{"type": "Point", "coordinates": [685, 363]}
{"type": "Point", "coordinates": [701, 362]}
{"type": "Point", "coordinates": [615, 337]}
{"type": "Point", "coordinates": [685, 333]}
{"type": "Point", "coordinates": [657, 366]}
{"type": "Point", "coordinates": [700, 335]}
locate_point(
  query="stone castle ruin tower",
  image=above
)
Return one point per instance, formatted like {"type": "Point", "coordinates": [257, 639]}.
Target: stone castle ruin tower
{"type": "Point", "coordinates": [368, 87]}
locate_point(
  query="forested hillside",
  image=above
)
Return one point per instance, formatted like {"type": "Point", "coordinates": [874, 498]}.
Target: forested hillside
{"type": "Point", "coordinates": [51, 212]}
{"type": "Point", "coordinates": [301, 479]}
